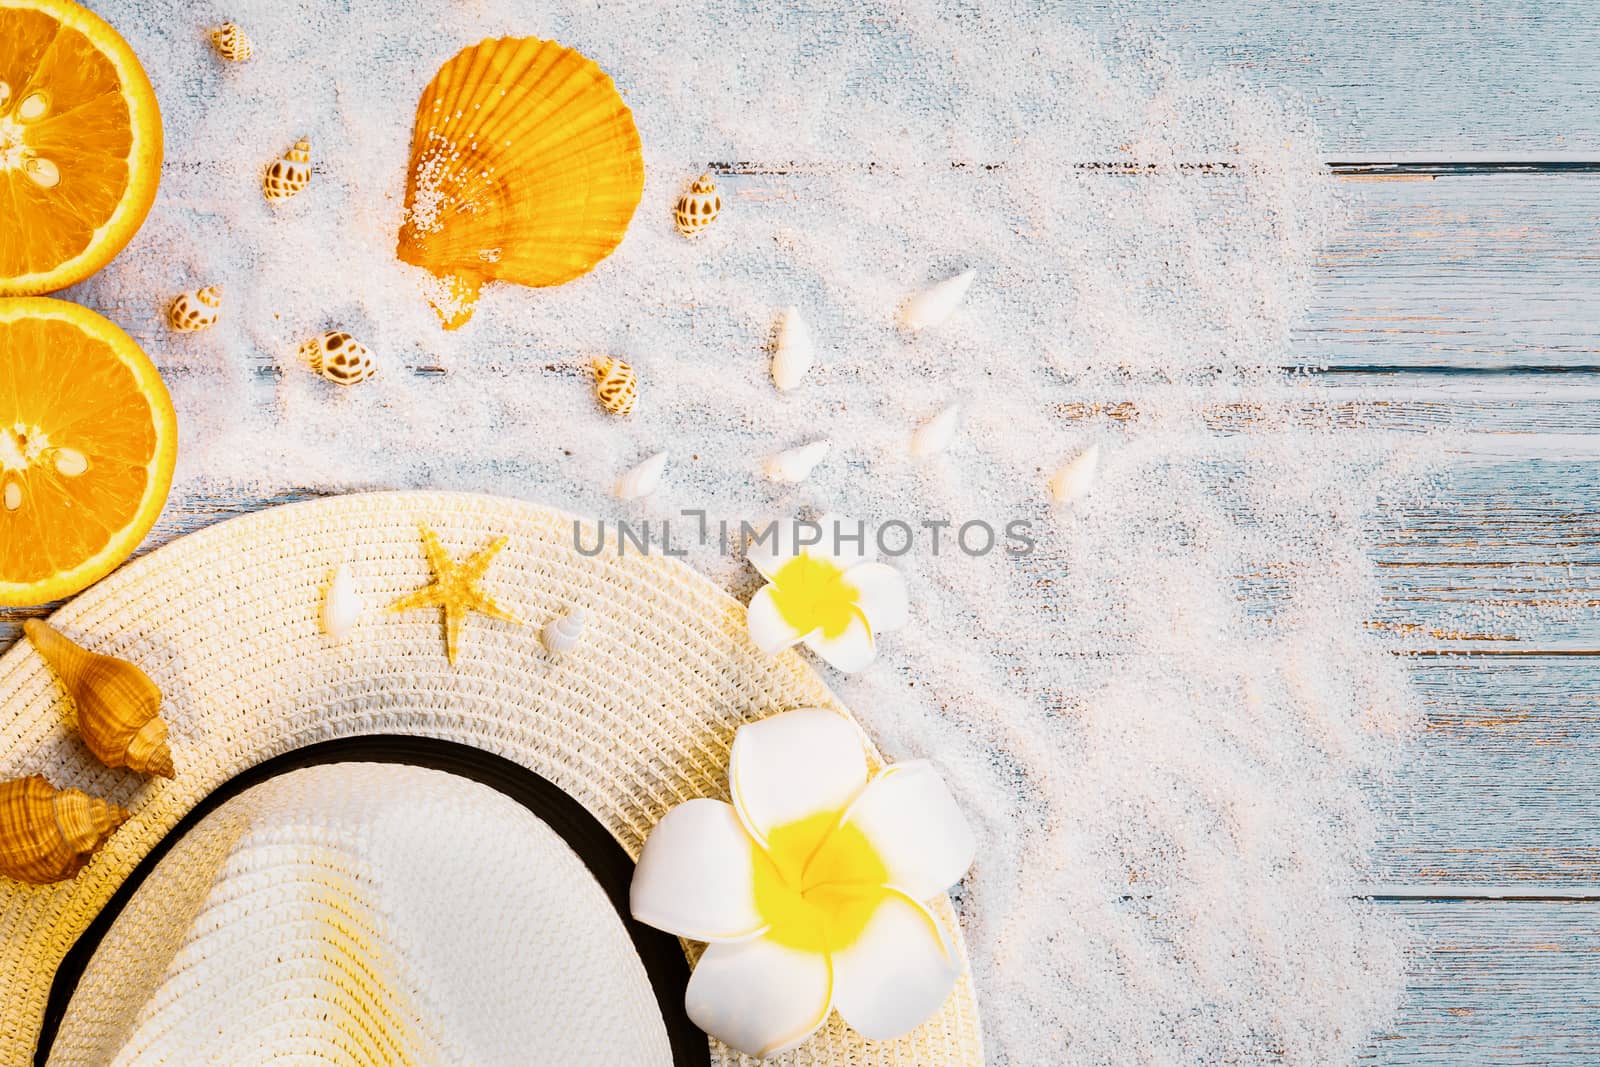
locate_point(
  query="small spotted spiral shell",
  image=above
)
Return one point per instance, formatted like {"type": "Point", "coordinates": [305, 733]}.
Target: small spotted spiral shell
{"type": "Point", "coordinates": [289, 175]}
{"type": "Point", "coordinates": [196, 310]}
{"type": "Point", "coordinates": [232, 43]}
{"type": "Point", "coordinates": [339, 357]}
{"type": "Point", "coordinates": [699, 207]}
{"type": "Point", "coordinates": [616, 385]}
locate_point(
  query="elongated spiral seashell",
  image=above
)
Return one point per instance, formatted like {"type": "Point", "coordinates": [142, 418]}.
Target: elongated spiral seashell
{"type": "Point", "coordinates": [616, 385]}
{"type": "Point", "coordinates": [562, 633]}
{"type": "Point", "coordinates": [933, 305]}
{"type": "Point", "coordinates": [289, 175]}
{"type": "Point", "coordinates": [935, 435]}
{"type": "Point", "coordinates": [796, 464]}
{"type": "Point", "coordinates": [196, 310]}
{"type": "Point", "coordinates": [118, 706]}
{"type": "Point", "coordinates": [339, 357]}
{"type": "Point", "coordinates": [1075, 478]}
{"type": "Point", "coordinates": [46, 834]}
{"type": "Point", "coordinates": [643, 479]}
{"type": "Point", "coordinates": [699, 207]}
{"type": "Point", "coordinates": [792, 352]}
{"type": "Point", "coordinates": [232, 43]}
{"type": "Point", "coordinates": [341, 605]}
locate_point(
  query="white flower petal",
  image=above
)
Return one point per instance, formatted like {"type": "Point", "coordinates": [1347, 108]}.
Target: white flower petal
{"type": "Point", "coordinates": [897, 974]}
{"type": "Point", "coordinates": [794, 765]}
{"type": "Point", "coordinates": [760, 997]}
{"type": "Point", "coordinates": [883, 595]}
{"type": "Point", "coordinates": [771, 553]}
{"type": "Point", "coordinates": [768, 628]}
{"type": "Point", "coordinates": [696, 875]}
{"type": "Point", "coordinates": [914, 825]}
{"type": "Point", "coordinates": [851, 651]}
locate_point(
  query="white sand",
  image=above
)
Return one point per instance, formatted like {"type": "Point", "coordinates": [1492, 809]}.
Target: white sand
{"type": "Point", "coordinates": [1162, 720]}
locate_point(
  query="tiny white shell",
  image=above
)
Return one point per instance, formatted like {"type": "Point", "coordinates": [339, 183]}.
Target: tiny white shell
{"type": "Point", "coordinates": [935, 435]}
{"type": "Point", "coordinates": [643, 479]}
{"type": "Point", "coordinates": [796, 463]}
{"type": "Point", "coordinates": [793, 353]}
{"type": "Point", "coordinates": [934, 304]}
{"type": "Point", "coordinates": [341, 605]}
{"type": "Point", "coordinates": [561, 634]}
{"type": "Point", "coordinates": [1076, 477]}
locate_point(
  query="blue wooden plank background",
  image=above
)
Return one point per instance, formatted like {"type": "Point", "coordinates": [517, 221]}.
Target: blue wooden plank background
{"type": "Point", "coordinates": [1469, 302]}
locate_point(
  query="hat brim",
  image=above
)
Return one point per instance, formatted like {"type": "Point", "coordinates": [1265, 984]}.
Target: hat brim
{"type": "Point", "coordinates": [636, 719]}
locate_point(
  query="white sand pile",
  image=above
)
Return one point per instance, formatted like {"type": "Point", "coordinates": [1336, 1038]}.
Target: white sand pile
{"type": "Point", "coordinates": [1162, 719]}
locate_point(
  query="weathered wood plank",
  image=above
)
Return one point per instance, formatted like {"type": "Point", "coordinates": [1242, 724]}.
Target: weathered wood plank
{"type": "Point", "coordinates": [1498, 983]}
{"type": "Point", "coordinates": [1488, 271]}
{"type": "Point", "coordinates": [1404, 79]}
{"type": "Point", "coordinates": [1499, 791]}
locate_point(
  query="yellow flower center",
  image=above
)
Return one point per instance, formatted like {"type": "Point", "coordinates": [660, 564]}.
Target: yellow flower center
{"type": "Point", "coordinates": [817, 886]}
{"type": "Point", "coordinates": [812, 594]}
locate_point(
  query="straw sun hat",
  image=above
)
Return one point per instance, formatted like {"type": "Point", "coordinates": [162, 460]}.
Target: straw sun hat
{"type": "Point", "coordinates": [370, 857]}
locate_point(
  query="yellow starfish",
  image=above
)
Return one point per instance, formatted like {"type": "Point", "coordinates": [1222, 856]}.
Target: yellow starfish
{"type": "Point", "coordinates": [455, 589]}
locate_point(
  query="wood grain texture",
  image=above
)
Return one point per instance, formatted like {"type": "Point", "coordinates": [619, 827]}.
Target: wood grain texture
{"type": "Point", "coordinates": [1496, 982]}
{"type": "Point", "coordinates": [1427, 314]}
{"type": "Point", "coordinates": [1393, 79]}
{"type": "Point", "coordinates": [1499, 791]}
{"type": "Point", "coordinates": [1487, 272]}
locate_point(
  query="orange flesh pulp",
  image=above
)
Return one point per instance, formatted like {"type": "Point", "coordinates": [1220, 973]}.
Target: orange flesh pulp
{"type": "Point", "coordinates": [80, 145]}
{"type": "Point", "coordinates": [88, 441]}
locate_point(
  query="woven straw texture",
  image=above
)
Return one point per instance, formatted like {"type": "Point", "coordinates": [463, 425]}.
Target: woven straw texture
{"type": "Point", "coordinates": [290, 925]}
{"type": "Point", "coordinates": [638, 718]}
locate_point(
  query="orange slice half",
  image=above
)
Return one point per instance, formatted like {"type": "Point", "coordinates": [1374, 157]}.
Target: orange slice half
{"type": "Point", "coordinates": [80, 145]}
{"type": "Point", "coordinates": [88, 439]}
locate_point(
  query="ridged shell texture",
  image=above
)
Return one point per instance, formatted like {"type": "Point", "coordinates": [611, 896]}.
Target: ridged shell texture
{"type": "Point", "coordinates": [525, 168]}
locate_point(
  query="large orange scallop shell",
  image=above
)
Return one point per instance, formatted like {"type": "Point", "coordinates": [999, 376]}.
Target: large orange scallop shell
{"type": "Point", "coordinates": [525, 167]}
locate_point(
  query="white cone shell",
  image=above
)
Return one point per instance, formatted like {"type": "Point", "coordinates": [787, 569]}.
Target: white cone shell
{"type": "Point", "coordinates": [934, 304]}
{"type": "Point", "coordinates": [1076, 477]}
{"type": "Point", "coordinates": [796, 464]}
{"type": "Point", "coordinates": [935, 435]}
{"type": "Point", "coordinates": [342, 605]}
{"type": "Point", "coordinates": [643, 479]}
{"type": "Point", "coordinates": [794, 353]}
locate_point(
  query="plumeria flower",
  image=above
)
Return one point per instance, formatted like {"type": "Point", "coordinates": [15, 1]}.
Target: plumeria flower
{"type": "Point", "coordinates": [810, 887]}
{"type": "Point", "coordinates": [832, 600]}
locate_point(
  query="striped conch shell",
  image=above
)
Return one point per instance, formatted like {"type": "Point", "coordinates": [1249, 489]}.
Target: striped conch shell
{"type": "Point", "coordinates": [232, 43]}
{"type": "Point", "coordinates": [46, 834]}
{"type": "Point", "coordinates": [196, 310]}
{"type": "Point", "coordinates": [289, 175]}
{"type": "Point", "coordinates": [616, 385]}
{"type": "Point", "coordinates": [699, 207]}
{"type": "Point", "coordinates": [118, 706]}
{"type": "Point", "coordinates": [339, 357]}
